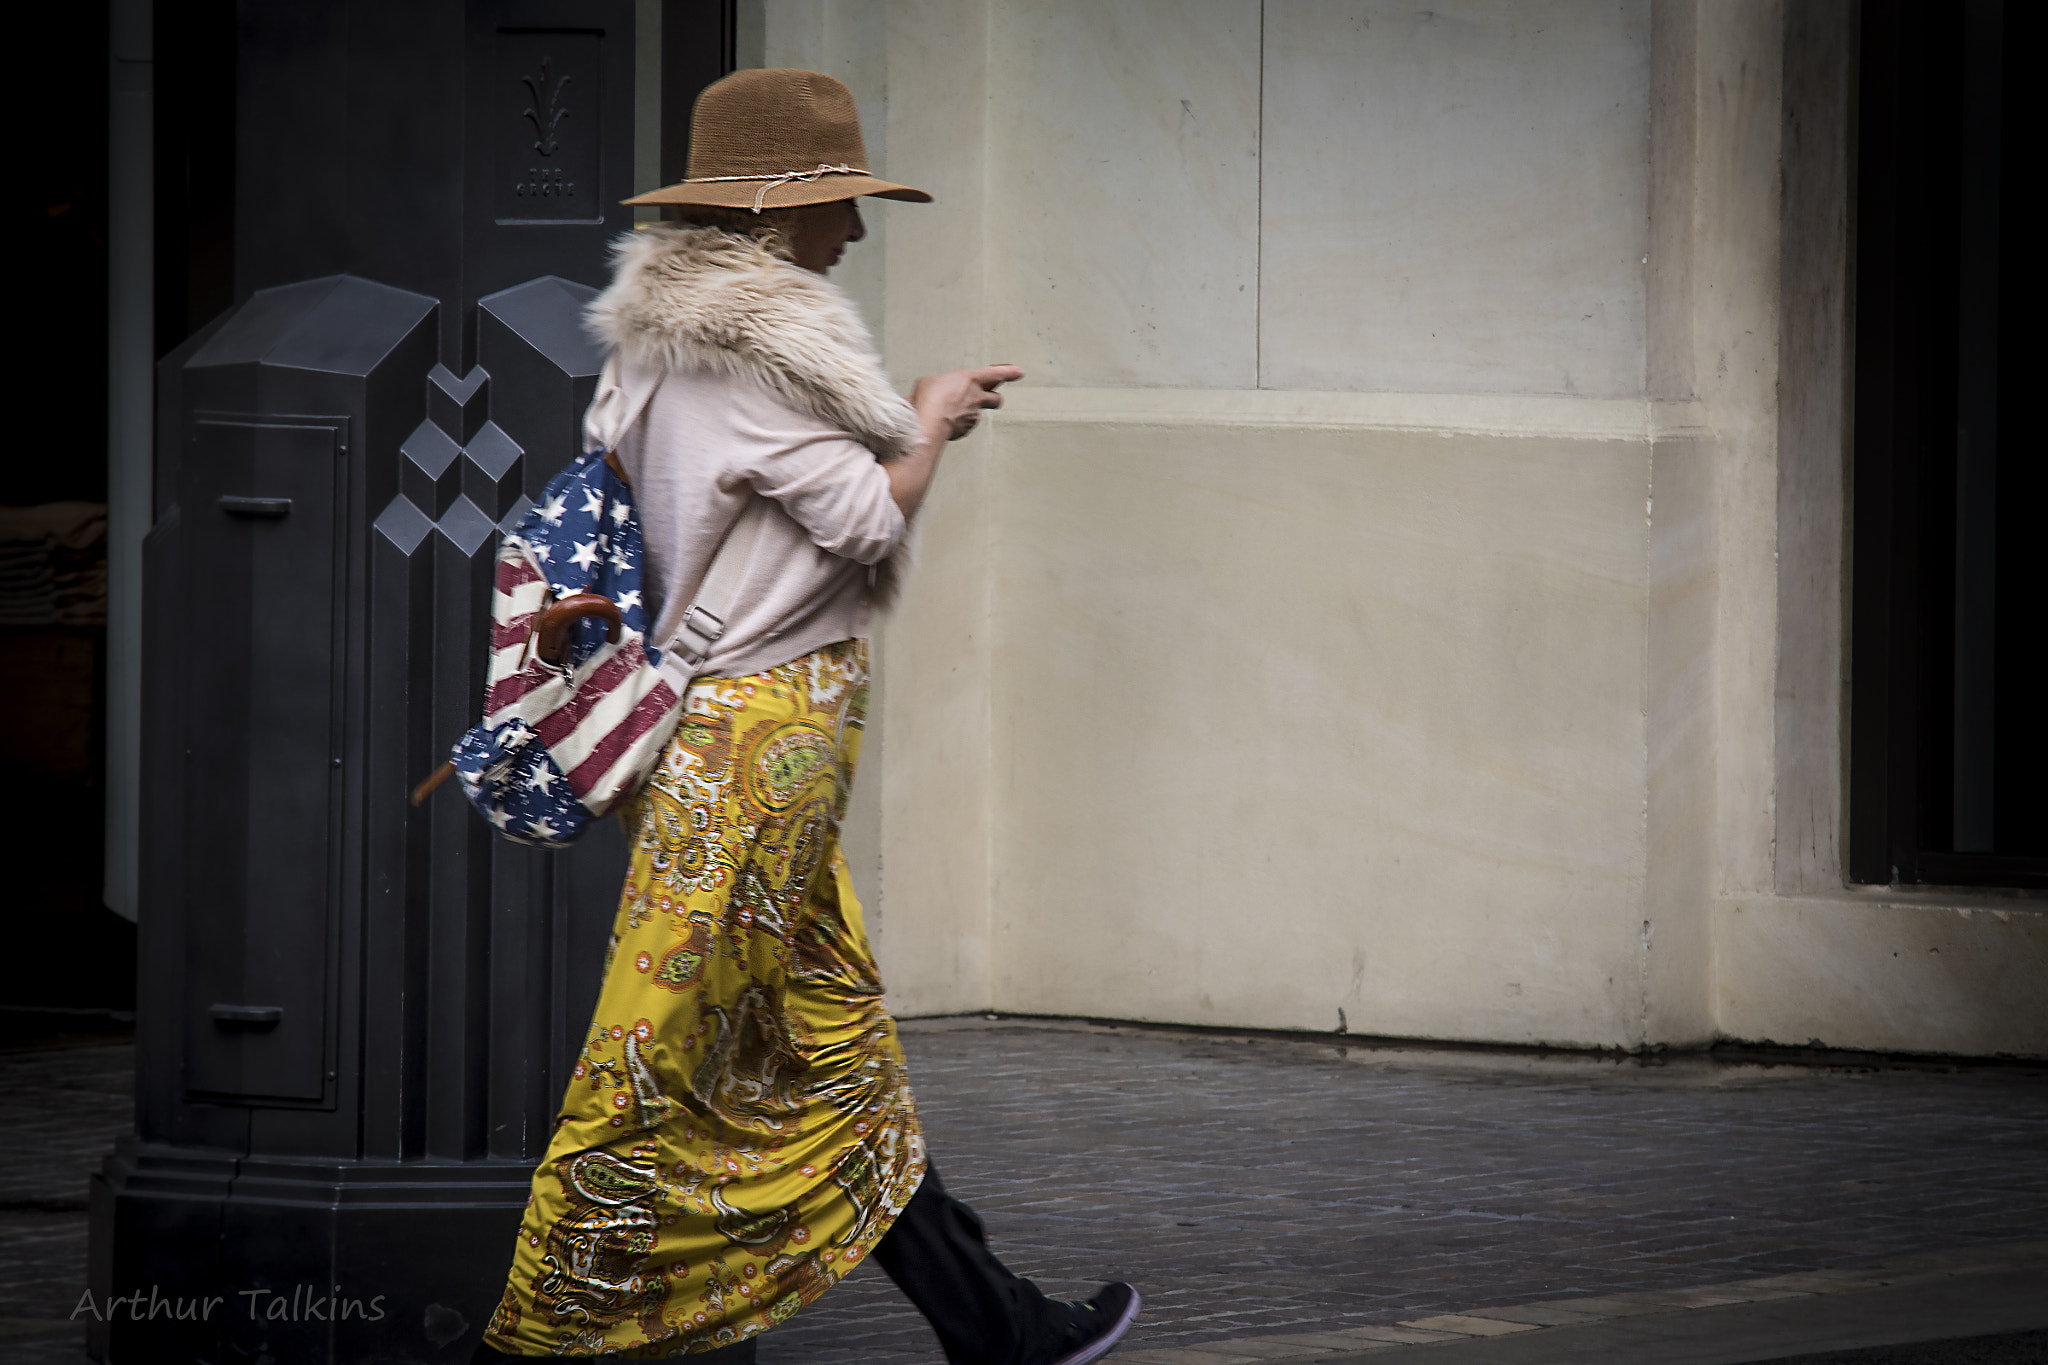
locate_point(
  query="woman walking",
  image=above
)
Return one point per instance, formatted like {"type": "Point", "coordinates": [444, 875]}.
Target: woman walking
{"type": "Point", "coordinates": [739, 1132]}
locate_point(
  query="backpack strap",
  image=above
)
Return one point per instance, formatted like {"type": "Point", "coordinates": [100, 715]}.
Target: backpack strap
{"type": "Point", "coordinates": [697, 634]}
{"type": "Point", "coordinates": [623, 391]}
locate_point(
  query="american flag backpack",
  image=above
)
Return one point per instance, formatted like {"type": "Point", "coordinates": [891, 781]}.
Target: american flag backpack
{"type": "Point", "coordinates": [577, 704]}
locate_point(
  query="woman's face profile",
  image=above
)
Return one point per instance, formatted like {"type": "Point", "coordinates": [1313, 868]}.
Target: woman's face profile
{"type": "Point", "coordinates": [822, 232]}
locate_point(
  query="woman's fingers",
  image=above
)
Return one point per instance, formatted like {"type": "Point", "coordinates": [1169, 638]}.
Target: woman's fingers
{"type": "Point", "coordinates": [961, 396]}
{"type": "Point", "coordinates": [988, 377]}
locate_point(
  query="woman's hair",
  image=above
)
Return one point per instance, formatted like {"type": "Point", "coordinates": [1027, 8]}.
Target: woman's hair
{"type": "Point", "coordinates": [774, 229]}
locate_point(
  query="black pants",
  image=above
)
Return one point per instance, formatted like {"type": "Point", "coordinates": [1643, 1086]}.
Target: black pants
{"type": "Point", "coordinates": [937, 1253]}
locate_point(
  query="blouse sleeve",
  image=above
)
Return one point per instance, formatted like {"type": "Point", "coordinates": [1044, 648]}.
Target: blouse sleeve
{"type": "Point", "coordinates": [830, 484]}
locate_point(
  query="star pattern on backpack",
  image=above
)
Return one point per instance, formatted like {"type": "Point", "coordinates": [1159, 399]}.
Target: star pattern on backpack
{"type": "Point", "coordinates": [581, 536]}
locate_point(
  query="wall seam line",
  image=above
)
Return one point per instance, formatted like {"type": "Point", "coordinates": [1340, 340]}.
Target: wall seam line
{"type": "Point", "coordinates": [988, 593]}
{"type": "Point", "coordinates": [1259, 220]}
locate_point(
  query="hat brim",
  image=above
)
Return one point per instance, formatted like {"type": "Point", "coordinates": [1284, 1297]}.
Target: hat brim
{"type": "Point", "coordinates": [739, 194]}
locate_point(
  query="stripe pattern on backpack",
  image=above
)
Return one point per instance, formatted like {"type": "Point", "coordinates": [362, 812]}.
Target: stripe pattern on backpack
{"type": "Point", "coordinates": [561, 743]}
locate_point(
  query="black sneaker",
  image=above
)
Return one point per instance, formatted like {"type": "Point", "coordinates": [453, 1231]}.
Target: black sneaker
{"type": "Point", "coordinates": [1099, 1324]}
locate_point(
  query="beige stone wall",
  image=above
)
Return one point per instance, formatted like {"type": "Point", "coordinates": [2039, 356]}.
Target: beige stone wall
{"type": "Point", "coordinates": [1295, 725]}
{"type": "Point", "coordinates": [1410, 582]}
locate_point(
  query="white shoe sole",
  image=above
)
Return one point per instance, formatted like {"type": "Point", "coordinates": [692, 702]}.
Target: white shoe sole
{"type": "Point", "coordinates": [1104, 1344]}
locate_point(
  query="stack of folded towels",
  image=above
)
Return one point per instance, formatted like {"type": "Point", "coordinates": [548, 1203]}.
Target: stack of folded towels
{"type": "Point", "coordinates": [53, 564]}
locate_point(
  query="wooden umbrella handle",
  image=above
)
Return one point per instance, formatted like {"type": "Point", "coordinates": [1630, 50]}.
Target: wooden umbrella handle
{"type": "Point", "coordinates": [552, 625]}
{"type": "Point", "coordinates": [554, 620]}
{"type": "Point", "coordinates": [435, 779]}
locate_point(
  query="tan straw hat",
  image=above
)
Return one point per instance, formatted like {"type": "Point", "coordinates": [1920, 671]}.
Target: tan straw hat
{"type": "Point", "coordinates": [774, 140]}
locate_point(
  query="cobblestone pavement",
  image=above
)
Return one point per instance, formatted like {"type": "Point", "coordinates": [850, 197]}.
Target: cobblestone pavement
{"type": "Point", "coordinates": [1258, 1185]}
{"type": "Point", "coordinates": [60, 1111]}
{"type": "Point", "coordinates": [1253, 1186]}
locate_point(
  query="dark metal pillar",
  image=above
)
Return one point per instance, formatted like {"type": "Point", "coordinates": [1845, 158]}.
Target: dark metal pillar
{"type": "Point", "coordinates": [355, 1018]}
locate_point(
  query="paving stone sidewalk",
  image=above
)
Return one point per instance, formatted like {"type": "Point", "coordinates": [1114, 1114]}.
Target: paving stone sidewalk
{"type": "Point", "coordinates": [1252, 1186]}
{"type": "Point", "coordinates": [1249, 1186]}
{"type": "Point", "coordinates": [61, 1110]}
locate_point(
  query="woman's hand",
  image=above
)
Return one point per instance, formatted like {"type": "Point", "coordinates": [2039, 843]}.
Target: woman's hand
{"type": "Point", "coordinates": [954, 400]}
{"type": "Point", "coordinates": [948, 406]}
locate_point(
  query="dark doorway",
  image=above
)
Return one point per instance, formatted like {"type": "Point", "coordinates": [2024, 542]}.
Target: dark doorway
{"type": "Point", "coordinates": [53, 553]}
{"type": "Point", "coordinates": [1949, 734]}
{"type": "Point", "coordinates": [195, 170]}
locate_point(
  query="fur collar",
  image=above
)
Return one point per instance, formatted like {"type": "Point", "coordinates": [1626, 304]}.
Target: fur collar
{"type": "Point", "coordinates": [695, 297]}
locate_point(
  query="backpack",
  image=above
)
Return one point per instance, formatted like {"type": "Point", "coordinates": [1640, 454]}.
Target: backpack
{"type": "Point", "coordinates": [577, 705]}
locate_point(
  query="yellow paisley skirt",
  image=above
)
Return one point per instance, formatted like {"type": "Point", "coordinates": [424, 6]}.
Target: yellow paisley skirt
{"type": "Point", "coordinates": [738, 1130]}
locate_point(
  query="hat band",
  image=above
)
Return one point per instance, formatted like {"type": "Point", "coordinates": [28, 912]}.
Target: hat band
{"type": "Point", "coordinates": [776, 181]}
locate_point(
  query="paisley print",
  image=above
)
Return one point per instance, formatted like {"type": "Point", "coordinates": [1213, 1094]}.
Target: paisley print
{"type": "Point", "coordinates": [738, 1131]}
{"type": "Point", "coordinates": [681, 965]}
{"type": "Point", "coordinates": [784, 760]}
